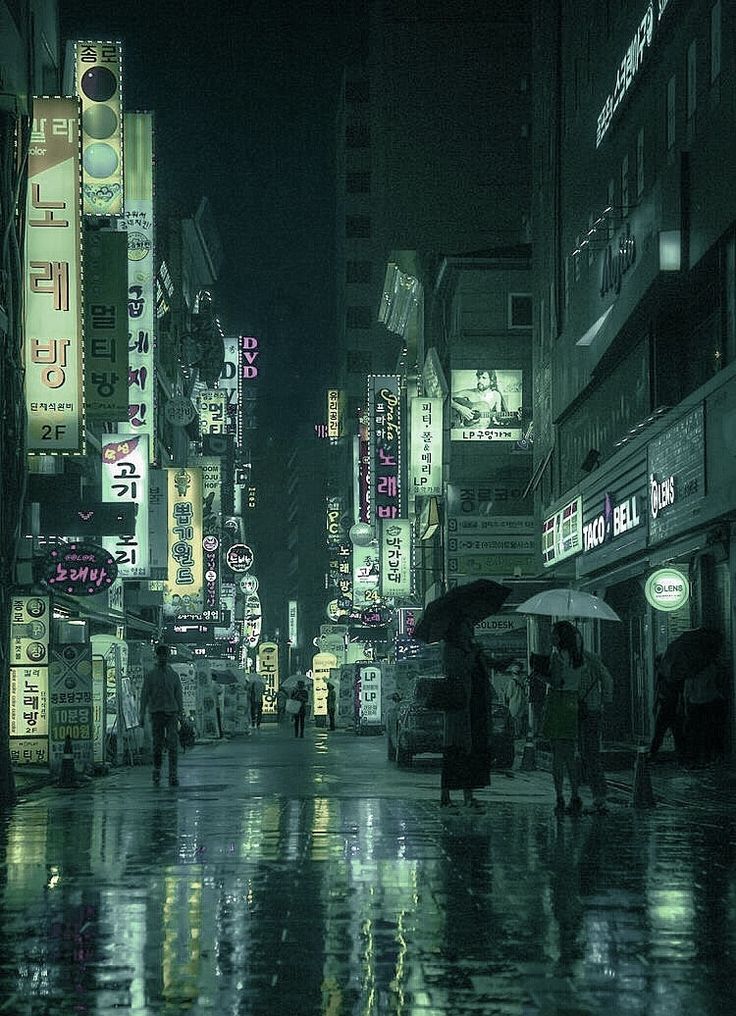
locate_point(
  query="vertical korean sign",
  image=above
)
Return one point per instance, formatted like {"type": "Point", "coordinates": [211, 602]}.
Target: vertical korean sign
{"type": "Point", "coordinates": [106, 325]}
{"type": "Point", "coordinates": [395, 557]}
{"type": "Point", "coordinates": [30, 623]}
{"type": "Point", "coordinates": [141, 291]}
{"type": "Point", "coordinates": [425, 460]}
{"type": "Point", "coordinates": [98, 74]}
{"type": "Point", "coordinates": [185, 583]}
{"type": "Point", "coordinates": [384, 411]}
{"type": "Point", "coordinates": [53, 351]}
{"type": "Point", "coordinates": [125, 479]}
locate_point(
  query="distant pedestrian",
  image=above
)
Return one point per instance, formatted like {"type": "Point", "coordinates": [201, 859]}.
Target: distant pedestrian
{"type": "Point", "coordinates": [257, 690]}
{"type": "Point", "coordinates": [331, 704]}
{"type": "Point", "coordinates": [300, 694]}
{"type": "Point", "coordinates": [162, 696]}
{"type": "Point", "coordinates": [281, 697]}
{"type": "Point", "coordinates": [669, 709]}
{"type": "Point", "coordinates": [560, 725]}
{"type": "Point", "coordinates": [466, 757]}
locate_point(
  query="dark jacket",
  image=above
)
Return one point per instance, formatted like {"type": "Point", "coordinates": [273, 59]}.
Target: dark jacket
{"type": "Point", "coordinates": [301, 695]}
{"type": "Point", "coordinates": [162, 692]}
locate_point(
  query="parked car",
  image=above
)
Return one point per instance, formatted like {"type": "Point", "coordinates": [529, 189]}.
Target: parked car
{"type": "Point", "coordinates": [414, 729]}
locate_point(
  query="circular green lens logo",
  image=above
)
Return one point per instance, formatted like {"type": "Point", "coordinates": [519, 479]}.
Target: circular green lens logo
{"type": "Point", "coordinates": [667, 589]}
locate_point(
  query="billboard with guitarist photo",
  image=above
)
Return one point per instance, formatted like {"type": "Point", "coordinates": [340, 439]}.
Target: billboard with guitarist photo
{"type": "Point", "coordinates": [486, 405]}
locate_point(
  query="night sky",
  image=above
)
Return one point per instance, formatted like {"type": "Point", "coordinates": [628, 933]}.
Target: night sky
{"type": "Point", "coordinates": [245, 107]}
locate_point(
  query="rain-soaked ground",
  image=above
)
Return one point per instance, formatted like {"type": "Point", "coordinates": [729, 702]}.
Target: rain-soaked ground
{"type": "Point", "coordinates": [302, 877]}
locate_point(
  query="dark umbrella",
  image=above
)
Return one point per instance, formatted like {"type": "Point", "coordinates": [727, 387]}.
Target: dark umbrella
{"type": "Point", "coordinates": [690, 652]}
{"type": "Point", "coordinates": [224, 677]}
{"type": "Point", "coordinates": [473, 601]}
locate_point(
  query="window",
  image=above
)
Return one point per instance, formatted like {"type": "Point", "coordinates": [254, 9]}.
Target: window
{"type": "Point", "coordinates": [671, 112]}
{"type": "Point", "coordinates": [715, 41]}
{"type": "Point", "coordinates": [358, 183]}
{"type": "Point", "coordinates": [358, 317]}
{"type": "Point", "coordinates": [357, 135]}
{"type": "Point", "coordinates": [640, 163]}
{"type": "Point", "coordinates": [625, 186]}
{"type": "Point", "coordinates": [692, 81]}
{"type": "Point", "coordinates": [357, 91]}
{"type": "Point", "coordinates": [358, 271]}
{"type": "Point", "coordinates": [357, 227]}
{"type": "Point", "coordinates": [520, 310]}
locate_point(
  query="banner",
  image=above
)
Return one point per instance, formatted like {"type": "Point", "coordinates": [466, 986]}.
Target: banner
{"type": "Point", "coordinates": [385, 427]}
{"type": "Point", "coordinates": [125, 478]}
{"type": "Point", "coordinates": [139, 226]}
{"type": "Point", "coordinates": [395, 577]}
{"type": "Point", "coordinates": [54, 381]}
{"type": "Point", "coordinates": [425, 458]}
{"type": "Point", "coordinates": [268, 668]}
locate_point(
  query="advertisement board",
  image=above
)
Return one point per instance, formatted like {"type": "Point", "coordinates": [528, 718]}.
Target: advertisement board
{"type": "Point", "coordinates": [30, 628]}
{"type": "Point", "coordinates": [425, 456]}
{"type": "Point", "coordinates": [183, 591]}
{"type": "Point", "coordinates": [385, 425]}
{"type": "Point", "coordinates": [53, 301]}
{"type": "Point", "coordinates": [486, 405]}
{"type": "Point", "coordinates": [268, 668]}
{"type": "Point", "coordinates": [212, 409]}
{"type": "Point", "coordinates": [70, 705]}
{"type": "Point", "coordinates": [369, 694]}
{"type": "Point", "coordinates": [396, 553]}
{"type": "Point", "coordinates": [29, 715]}
{"type": "Point", "coordinates": [98, 77]}
{"type": "Point", "coordinates": [139, 225]}
{"type": "Point", "coordinates": [106, 325]}
{"type": "Point", "coordinates": [562, 533]}
{"type": "Point", "coordinates": [322, 663]}
{"type": "Point", "coordinates": [125, 464]}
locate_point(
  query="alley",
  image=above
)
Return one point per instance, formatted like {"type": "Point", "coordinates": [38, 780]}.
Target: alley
{"type": "Point", "coordinates": [312, 876]}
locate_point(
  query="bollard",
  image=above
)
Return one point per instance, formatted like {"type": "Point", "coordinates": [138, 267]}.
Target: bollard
{"type": "Point", "coordinates": [66, 776]}
{"type": "Point", "coordinates": [643, 795]}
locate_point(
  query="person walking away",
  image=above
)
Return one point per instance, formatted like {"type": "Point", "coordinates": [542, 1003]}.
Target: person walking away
{"type": "Point", "coordinates": [466, 757]}
{"type": "Point", "coordinates": [257, 689]}
{"type": "Point", "coordinates": [162, 696]}
{"type": "Point", "coordinates": [301, 694]}
{"type": "Point", "coordinates": [331, 704]}
{"type": "Point", "coordinates": [560, 724]}
{"type": "Point", "coordinates": [281, 697]}
{"type": "Point", "coordinates": [705, 704]}
{"type": "Point", "coordinates": [596, 691]}
{"type": "Point", "coordinates": [668, 710]}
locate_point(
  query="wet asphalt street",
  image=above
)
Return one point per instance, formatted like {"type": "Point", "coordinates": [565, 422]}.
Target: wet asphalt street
{"type": "Point", "coordinates": [304, 877]}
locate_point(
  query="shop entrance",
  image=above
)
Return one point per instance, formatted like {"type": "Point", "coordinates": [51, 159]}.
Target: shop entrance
{"type": "Point", "coordinates": [622, 648]}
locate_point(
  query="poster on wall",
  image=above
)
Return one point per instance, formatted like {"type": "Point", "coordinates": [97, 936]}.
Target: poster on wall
{"type": "Point", "coordinates": [54, 383]}
{"type": "Point", "coordinates": [486, 405]}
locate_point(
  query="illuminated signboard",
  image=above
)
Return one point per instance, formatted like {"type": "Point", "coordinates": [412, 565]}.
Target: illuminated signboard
{"type": "Point", "coordinates": [80, 569]}
{"type": "Point", "coordinates": [211, 466]}
{"type": "Point", "coordinates": [322, 663]}
{"type": "Point", "coordinates": [70, 705]}
{"type": "Point", "coordinates": [228, 382]}
{"type": "Point", "coordinates": [614, 520]}
{"type": "Point", "coordinates": [53, 351]}
{"type": "Point", "coordinates": [98, 75]}
{"type": "Point", "coordinates": [369, 695]}
{"type": "Point", "coordinates": [141, 279]}
{"type": "Point", "coordinates": [486, 405]}
{"type": "Point", "coordinates": [385, 423]}
{"type": "Point", "coordinates": [366, 567]}
{"type": "Point", "coordinates": [333, 413]}
{"type": "Point", "coordinates": [425, 459]}
{"type": "Point", "coordinates": [562, 533]}
{"type": "Point", "coordinates": [268, 668]}
{"type": "Point", "coordinates": [252, 620]}
{"type": "Point", "coordinates": [395, 577]}
{"type": "Point", "coordinates": [630, 65]}
{"type": "Point", "coordinates": [239, 558]}
{"type": "Point", "coordinates": [667, 589]}
{"type": "Point", "coordinates": [248, 353]}
{"type": "Point", "coordinates": [30, 622]}
{"type": "Point", "coordinates": [185, 582]}
{"type": "Point", "coordinates": [106, 324]}
{"type": "Point", "coordinates": [125, 479]}
{"type": "Point", "coordinates": [211, 570]}
{"type": "Point", "coordinates": [293, 627]}
{"type": "Point", "coordinates": [212, 409]}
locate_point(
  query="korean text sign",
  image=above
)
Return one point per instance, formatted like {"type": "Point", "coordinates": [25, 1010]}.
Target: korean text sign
{"type": "Point", "coordinates": [53, 281]}
{"type": "Point", "coordinates": [125, 479]}
{"type": "Point", "coordinates": [185, 533]}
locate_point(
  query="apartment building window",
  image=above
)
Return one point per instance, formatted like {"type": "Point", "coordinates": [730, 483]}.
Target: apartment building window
{"type": "Point", "coordinates": [358, 317]}
{"type": "Point", "coordinates": [357, 227]}
{"type": "Point", "coordinates": [520, 310]}
{"type": "Point", "coordinates": [357, 135]}
{"type": "Point", "coordinates": [357, 90]}
{"type": "Point", "coordinates": [640, 163]}
{"type": "Point", "coordinates": [715, 41]}
{"type": "Point", "coordinates": [358, 271]}
{"type": "Point", "coordinates": [671, 112]}
{"type": "Point", "coordinates": [358, 183]}
{"type": "Point", "coordinates": [692, 78]}
{"type": "Point", "coordinates": [625, 185]}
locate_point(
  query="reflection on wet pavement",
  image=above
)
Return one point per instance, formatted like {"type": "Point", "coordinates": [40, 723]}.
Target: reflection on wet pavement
{"type": "Point", "coordinates": [121, 898]}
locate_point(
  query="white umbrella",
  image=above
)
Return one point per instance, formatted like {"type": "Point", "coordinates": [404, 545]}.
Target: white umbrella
{"type": "Point", "coordinates": [568, 603]}
{"type": "Point", "coordinates": [293, 679]}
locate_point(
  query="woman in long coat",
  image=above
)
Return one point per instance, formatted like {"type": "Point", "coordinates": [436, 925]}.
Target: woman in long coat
{"type": "Point", "coordinates": [466, 761]}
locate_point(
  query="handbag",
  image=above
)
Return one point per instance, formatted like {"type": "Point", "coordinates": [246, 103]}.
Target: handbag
{"type": "Point", "coordinates": [187, 735]}
{"type": "Point", "coordinates": [560, 720]}
{"type": "Point", "coordinates": [293, 706]}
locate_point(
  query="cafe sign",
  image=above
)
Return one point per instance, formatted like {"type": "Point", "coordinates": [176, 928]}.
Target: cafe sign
{"type": "Point", "coordinates": [667, 589]}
